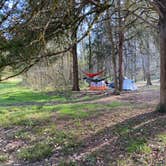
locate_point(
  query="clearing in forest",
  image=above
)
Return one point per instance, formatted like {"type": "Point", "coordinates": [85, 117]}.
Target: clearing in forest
{"type": "Point", "coordinates": [80, 128]}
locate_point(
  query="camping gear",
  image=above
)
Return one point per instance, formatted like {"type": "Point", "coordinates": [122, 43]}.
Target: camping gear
{"type": "Point", "coordinates": [128, 85]}
{"type": "Point", "coordinates": [91, 75]}
{"type": "Point", "coordinates": [95, 83]}
{"type": "Point", "coordinates": [98, 86]}
{"type": "Point", "coordinates": [94, 79]}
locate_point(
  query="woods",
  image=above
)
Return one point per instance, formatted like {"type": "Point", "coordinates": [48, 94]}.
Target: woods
{"type": "Point", "coordinates": [83, 82]}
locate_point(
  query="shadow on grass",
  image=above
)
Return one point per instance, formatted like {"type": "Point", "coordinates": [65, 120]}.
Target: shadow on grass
{"type": "Point", "coordinates": [41, 99]}
{"type": "Point", "coordinates": [116, 143]}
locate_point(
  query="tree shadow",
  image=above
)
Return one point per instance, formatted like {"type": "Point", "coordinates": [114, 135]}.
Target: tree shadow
{"type": "Point", "coordinates": [121, 141]}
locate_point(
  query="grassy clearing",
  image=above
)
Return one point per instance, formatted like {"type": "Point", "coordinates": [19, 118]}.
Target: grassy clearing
{"type": "Point", "coordinates": [12, 93]}
{"type": "Point", "coordinates": [37, 115]}
{"type": "Point", "coordinates": [71, 128]}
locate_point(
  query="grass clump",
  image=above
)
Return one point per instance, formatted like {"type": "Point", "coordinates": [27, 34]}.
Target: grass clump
{"type": "Point", "coordinates": [162, 138]}
{"type": "Point", "coordinates": [36, 152]}
{"type": "Point", "coordinates": [91, 160]}
{"type": "Point", "coordinates": [70, 163]}
{"type": "Point", "coordinates": [3, 158]}
{"type": "Point", "coordinates": [123, 130]}
{"type": "Point", "coordinates": [139, 146]}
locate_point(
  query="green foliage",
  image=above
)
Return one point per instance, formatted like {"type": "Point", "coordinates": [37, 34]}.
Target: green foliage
{"type": "Point", "coordinates": [36, 152]}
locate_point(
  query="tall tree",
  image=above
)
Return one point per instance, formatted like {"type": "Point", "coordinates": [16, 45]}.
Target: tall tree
{"type": "Point", "coordinates": [160, 6]}
{"type": "Point", "coordinates": [120, 46]}
{"type": "Point", "coordinates": [74, 47]}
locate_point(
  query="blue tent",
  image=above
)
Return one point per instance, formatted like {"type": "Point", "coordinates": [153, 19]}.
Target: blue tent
{"type": "Point", "coordinates": [127, 85]}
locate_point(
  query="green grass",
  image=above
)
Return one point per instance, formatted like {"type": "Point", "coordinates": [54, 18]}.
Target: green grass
{"type": "Point", "coordinates": [12, 93]}
{"type": "Point", "coordinates": [3, 158]}
{"type": "Point", "coordinates": [162, 138]}
{"type": "Point", "coordinates": [36, 115]}
{"type": "Point", "coordinates": [36, 125]}
{"type": "Point", "coordinates": [26, 116]}
{"type": "Point", "coordinates": [138, 145]}
{"type": "Point", "coordinates": [36, 152]}
{"type": "Point", "coordinates": [123, 130]}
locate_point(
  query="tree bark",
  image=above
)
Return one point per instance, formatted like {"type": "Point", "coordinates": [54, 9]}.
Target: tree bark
{"type": "Point", "coordinates": [75, 64]}
{"type": "Point", "coordinates": [90, 55]}
{"type": "Point", "coordinates": [110, 34]}
{"type": "Point", "coordinates": [120, 51]}
{"type": "Point", "coordinates": [143, 68]}
{"type": "Point", "coordinates": [74, 50]}
{"type": "Point", "coordinates": [162, 26]}
{"type": "Point", "coordinates": [148, 75]}
{"type": "Point", "coordinates": [121, 41]}
{"type": "Point", "coordinates": [113, 60]}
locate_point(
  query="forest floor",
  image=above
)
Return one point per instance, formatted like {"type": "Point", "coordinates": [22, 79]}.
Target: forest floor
{"type": "Point", "coordinates": [81, 129]}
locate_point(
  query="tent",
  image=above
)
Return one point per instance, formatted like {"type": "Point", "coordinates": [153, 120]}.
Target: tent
{"type": "Point", "coordinates": [127, 85]}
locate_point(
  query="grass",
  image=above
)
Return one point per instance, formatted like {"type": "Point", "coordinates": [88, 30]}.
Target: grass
{"type": "Point", "coordinates": [138, 145]}
{"type": "Point", "coordinates": [162, 138]}
{"type": "Point", "coordinates": [123, 130]}
{"type": "Point", "coordinates": [66, 128]}
{"type": "Point", "coordinates": [3, 158]}
{"type": "Point", "coordinates": [36, 152]}
{"type": "Point", "coordinates": [13, 93]}
{"type": "Point", "coordinates": [36, 115]}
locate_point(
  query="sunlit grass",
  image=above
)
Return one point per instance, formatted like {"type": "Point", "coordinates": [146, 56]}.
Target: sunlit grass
{"type": "Point", "coordinates": [12, 92]}
{"type": "Point", "coordinates": [35, 115]}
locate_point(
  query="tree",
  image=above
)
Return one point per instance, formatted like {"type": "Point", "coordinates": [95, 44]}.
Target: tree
{"type": "Point", "coordinates": [160, 6]}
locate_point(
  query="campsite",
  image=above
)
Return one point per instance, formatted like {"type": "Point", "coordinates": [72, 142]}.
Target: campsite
{"type": "Point", "coordinates": [82, 83]}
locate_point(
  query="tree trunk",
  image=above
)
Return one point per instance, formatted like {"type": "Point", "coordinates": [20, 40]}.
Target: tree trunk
{"type": "Point", "coordinates": [110, 34]}
{"type": "Point", "coordinates": [143, 68]}
{"type": "Point", "coordinates": [162, 25]}
{"type": "Point", "coordinates": [121, 41]}
{"type": "Point", "coordinates": [148, 75]}
{"type": "Point", "coordinates": [74, 49]}
{"type": "Point", "coordinates": [75, 64]}
{"type": "Point", "coordinates": [120, 51]}
{"type": "Point", "coordinates": [90, 55]}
